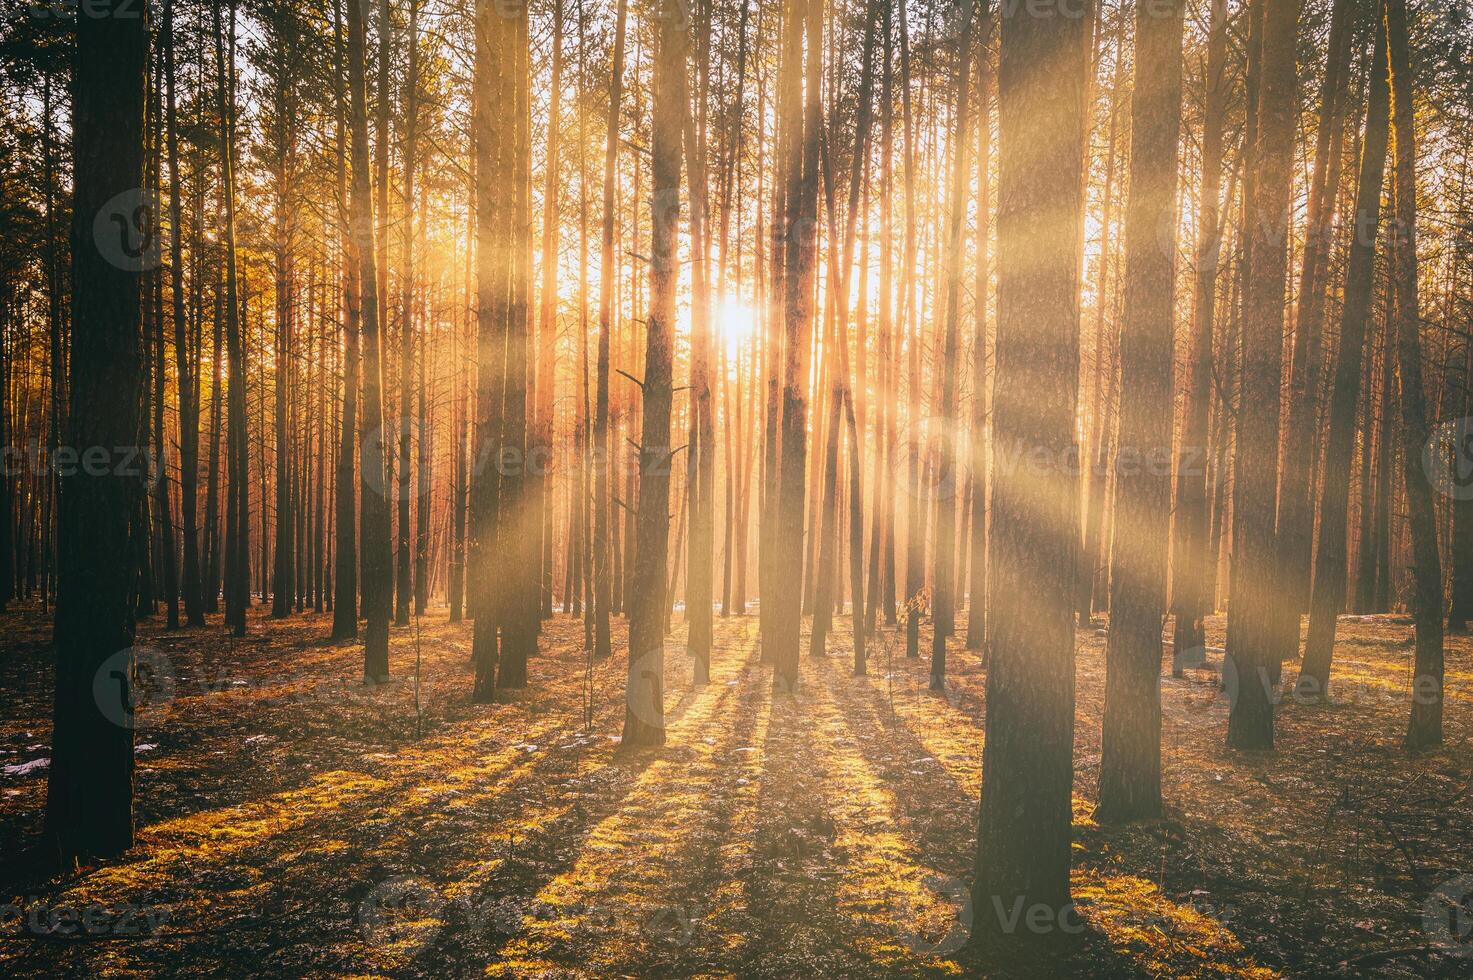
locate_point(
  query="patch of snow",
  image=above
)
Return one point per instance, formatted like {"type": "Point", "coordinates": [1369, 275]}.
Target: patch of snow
{"type": "Point", "coordinates": [21, 768]}
{"type": "Point", "coordinates": [144, 747]}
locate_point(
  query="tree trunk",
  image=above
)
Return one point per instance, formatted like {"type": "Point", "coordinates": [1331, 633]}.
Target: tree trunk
{"type": "Point", "coordinates": [188, 393]}
{"type": "Point", "coordinates": [1424, 727]}
{"type": "Point", "coordinates": [644, 693]}
{"type": "Point", "coordinates": [602, 500]}
{"type": "Point", "coordinates": [977, 573]}
{"type": "Point", "coordinates": [1190, 559]}
{"type": "Point", "coordinates": [1130, 757]}
{"type": "Point", "coordinates": [1296, 506]}
{"type": "Point", "coordinates": [1256, 643]}
{"type": "Point", "coordinates": [89, 798]}
{"type": "Point", "coordinates": [547, 321]}
{"type": "Point", "coordinates": [1330, 561]}
{"type": "Point", "coordinates": [237, 510]}
{"type": "Point", "coordinates": [404, 430]}
{"type": "Point", "coordinates": [377, 586]}
{"type": "Point", "coordinates": [944, 600]}
{"type": "Point", "coordinates": [1023, 841]}
{"type": "Point", "coordinates": [345, 578]}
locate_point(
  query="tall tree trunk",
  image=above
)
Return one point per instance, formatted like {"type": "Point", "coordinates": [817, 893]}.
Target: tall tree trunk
{"type": "Point", "coordinates": [520, 540]}
{"type": "Point", "coordinates": [404, 430]}
{"type": "Point", "coordinates": [89, 793]}
{"type": "Point", "coordinates": [1094, 570]}
{"type": "Point", "coordinates": [1365, 575]}
{"type": "Point", "coordinates": [977, 574]}
{"type": "Point", "coordinates": [345, 578]}
{"type": "Point", "coordinates": [1023, 839]}
{"type": "Point", "coordinates": [1382, 590]}
{"type": "Point", "coordinates": [944, 601]}
{"type": "Point", "coordinates": [237, 510]}
{"type": "Point", "coordinates": [213, 557]}
{"type": "Point", "coordinates": [915, 546]}
{"type": "Point", "coordinates": [1296, 506]}
{"type": "Point", "coordinates": [283, 573]}
{"type": "Point", "coordinates": [183, 363]}
{"type": "Point", "coordinates": [1360, 278]}
{"type": "Point", "coordinates": [1424, 727]}
{"type": "Point", "coordinates": [1190, 558]}
{"type": "Point", "coordinates": [602, 500]}
{"type": "Point", "coordinates": [700, 587]}
{"type": "Point", "coordinates": [842, 396]}
{"type": "Point", "coordinates": [644, 692]}
{"type": "Point", "coordinates": [374, 488]}
{"type": "Point", "coordinates": [1130, 757]}
{"type": "Point", "coordinates": [492, 163]}
{"type": "Point", "coordinates": [1256, 645]}
{"type": "Point", "coordinates": [547, 318]}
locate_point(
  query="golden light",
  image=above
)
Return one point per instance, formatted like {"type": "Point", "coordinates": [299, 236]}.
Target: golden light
{"type": "Point", "coordinates": [735, 322]}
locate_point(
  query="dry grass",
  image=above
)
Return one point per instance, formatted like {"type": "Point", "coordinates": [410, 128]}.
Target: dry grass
{"type": "Point", "coordinates": [292, 822]}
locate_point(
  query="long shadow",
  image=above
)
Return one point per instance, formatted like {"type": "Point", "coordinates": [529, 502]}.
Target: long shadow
{"type": "Point", "coordinates": [683, 932]}
{"type": "Point", "coordinates": [465, 946]}
{"type": "Point", "coordinates": [791, 901]}
{"type": "Point", "coordinates": [938, 814]}
{"type": "Point", "coordinates": [303, 903]}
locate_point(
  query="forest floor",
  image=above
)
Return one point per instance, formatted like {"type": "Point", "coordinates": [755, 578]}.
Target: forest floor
{"type": "Point", "coordinates": [293, 823]}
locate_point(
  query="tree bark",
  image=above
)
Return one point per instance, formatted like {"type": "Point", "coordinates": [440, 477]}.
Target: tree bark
{"type": "Point", "coordinates": [1190, 559]}
{"type": "Point", "coordinates": [1024, 834]}
{"type": "Point", "coordinates": [376, 559]}
{"type": "Point", "coordinates": [345, 578]}
{"type": "Point", "coordinates": [89, 794]}
{"type": "Point", "coordinates": [1130, 756]}
{"type": "Point", "coordinates": [1330, 560]}
{"type": "Point", "coordinates": [1256, 641]}
{"type": "Point", "coordinates": [1424, 726]}
{"type": "Point", "coordinates": [644, 692]}
{"type": "Point", "coordinates": [602, 500]}
{"type": "Point", "coordinates": [947, 485]}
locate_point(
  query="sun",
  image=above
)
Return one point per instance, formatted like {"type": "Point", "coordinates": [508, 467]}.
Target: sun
{"type": "Point", "coordinates": [735, 322]}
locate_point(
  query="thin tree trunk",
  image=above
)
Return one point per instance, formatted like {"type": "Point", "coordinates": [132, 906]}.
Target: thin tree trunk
{"type": "Point", "coordinates": [1330, 560]}
{"type": "Point", "coordinates": [944, 599]}
{"type": "Point", "coordinates": [644, 693]}
{"type": "Point", "coordinates": [1191, 558]}
{"type": "Point", "coordinates": [1256, 645]}
{"type": "Point", "coordinates": [188, 393]}
{"type": "Point", "coordinates": [1296, 506]}
{"type": "Point", "coordinates": [602, 500]}
{"type": "Point", "coordinates": [1424, 726]}
{"type": "Point", "coordinates": [377, 584]}
{"type": "Point", "coordinates": [345, 598]}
